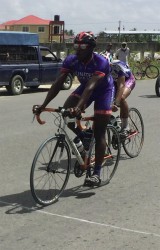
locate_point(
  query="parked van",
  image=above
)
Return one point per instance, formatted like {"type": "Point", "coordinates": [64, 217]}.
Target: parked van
{"type": "Point", "coordinates": [24, 63]}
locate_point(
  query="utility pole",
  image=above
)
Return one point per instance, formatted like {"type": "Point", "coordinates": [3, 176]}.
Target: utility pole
{"type": "Point", "coordinates": [119, 29]}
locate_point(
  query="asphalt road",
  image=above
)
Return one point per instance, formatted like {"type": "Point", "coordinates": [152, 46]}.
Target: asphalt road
{"type": "Point", "coordinates": [123, 215]}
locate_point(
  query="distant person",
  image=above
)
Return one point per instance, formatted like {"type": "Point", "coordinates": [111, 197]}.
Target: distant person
{"type": "Point", "coordinates": [108, 53]}
{"type": "Point", "coordinates": [123, 53]}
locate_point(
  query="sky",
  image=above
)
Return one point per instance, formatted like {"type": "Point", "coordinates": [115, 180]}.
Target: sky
{"type": "Point", "coordinates": [88, 15]}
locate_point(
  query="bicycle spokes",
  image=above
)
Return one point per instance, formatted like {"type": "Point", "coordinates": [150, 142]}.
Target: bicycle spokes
{"type": "Point", "coordinates": [50, 171]}
{"type": "Point", "coordinates": [134, 141]}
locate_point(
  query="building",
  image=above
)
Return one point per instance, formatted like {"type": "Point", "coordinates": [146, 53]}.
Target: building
{"type": "Point", "coordinates": [131, 35]}
{"type": "Point", "coordinates": [49, 31]}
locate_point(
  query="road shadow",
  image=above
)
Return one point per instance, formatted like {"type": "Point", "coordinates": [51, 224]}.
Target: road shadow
{"type": "Point", "coordinates": [21, 203]}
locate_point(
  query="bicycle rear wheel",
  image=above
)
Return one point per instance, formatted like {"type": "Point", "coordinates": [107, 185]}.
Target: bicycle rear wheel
{"type": "Point", "coordinates": [137, 72]}
{"type": "Point", "coordinates": [152, 72]}
{"type": "Point", "coordinates": [112, 155]}
{"type": "Point", "coordinates": [50, 170]}
{"type": "Point", "coordinates": [133, 143]}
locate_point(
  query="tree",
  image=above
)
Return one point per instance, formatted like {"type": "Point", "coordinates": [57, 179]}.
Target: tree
{"type": "Point", "coordinates": [69, 32]}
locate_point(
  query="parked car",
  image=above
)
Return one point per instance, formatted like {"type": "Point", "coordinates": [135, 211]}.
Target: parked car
{"type": "Point", "coordinates": [24, 63]}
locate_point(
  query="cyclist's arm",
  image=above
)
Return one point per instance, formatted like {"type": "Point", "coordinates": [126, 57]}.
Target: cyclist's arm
{"type": "Point", "coordinates": [55, 88]}
{"type": "Point", "coordinates": [120, 89]}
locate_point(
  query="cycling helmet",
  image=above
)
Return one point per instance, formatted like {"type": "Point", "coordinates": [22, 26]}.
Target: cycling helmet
{"type": "Point", "coordinates": [86, 38]}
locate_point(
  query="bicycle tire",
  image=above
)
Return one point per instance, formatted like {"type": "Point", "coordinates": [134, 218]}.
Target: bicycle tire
{"type": "Point", "coordinates": [157, 87]}
{"type": "Point", "coordinates": [137, 72]}
{"type": "Point", "coordinates": [112, 155]}
{"type": "Point", "coordinates": [50, 170]}
{"type": "Point", "coordinates": [152, 71]}
{"type": "Point", "coordinates": [133, 143]}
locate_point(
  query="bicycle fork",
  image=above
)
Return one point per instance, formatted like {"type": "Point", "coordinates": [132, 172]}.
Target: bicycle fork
{"type": "Point", "coordinates": [58, 144]}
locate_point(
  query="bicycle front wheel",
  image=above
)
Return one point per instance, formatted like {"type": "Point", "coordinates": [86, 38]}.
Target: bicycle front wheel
{"type": "Point", "coordinates": [137, 72]}
{"type": "Point", "coordinates": [50, 170]}
{"type": "Point", "coordinates": [152, 72]}
{"type": "Point", "coordinates": [112, 155]}
{"type": "Point", "coordinates": [133, 143]}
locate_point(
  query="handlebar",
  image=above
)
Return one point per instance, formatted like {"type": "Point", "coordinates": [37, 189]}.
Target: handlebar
{"type": "Point", "coordinates": [61, 110]}
{"type": "Point", "coordinates": [65, 113]}
{"type": "Point", "coordinates": [46, 109]}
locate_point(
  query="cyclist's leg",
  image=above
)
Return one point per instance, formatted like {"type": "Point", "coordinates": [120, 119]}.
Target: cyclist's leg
{"type": "Point", "coordinates": [100, 125]}
{"type": "Point", "coordinates": [124, 109]}
{"type": "Point", "coordinates": [71, 102]}
{"type": "Point", "coordinates": [102, 110]}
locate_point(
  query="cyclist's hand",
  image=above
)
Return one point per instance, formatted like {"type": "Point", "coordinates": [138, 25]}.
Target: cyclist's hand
{"type": "Point", "coordinates": [114, 108]}
{"type": "Point", "coordinates": [75, 112]}
{"type": "Point", "coordinates": [37, 109]}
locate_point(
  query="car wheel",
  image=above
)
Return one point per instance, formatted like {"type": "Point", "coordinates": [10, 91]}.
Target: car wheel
{"type": "Point", "coordinates": [157, 87]}
{"type": "Point", "coordinates": [68, 82]}
{"type": "Point", "coordinates": [16, 85]}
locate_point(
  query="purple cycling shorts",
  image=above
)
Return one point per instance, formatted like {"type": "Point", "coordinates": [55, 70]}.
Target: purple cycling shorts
{"type": "Point", "coordinates": [102, 99]}
{"type": "Point", "coordinates": [130, 83]}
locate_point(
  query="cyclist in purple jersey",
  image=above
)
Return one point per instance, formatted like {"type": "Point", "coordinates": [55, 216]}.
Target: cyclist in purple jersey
{"type": "Point", "coordinates": [96, 85]}
{"type": "Point", "coordinates": [125, 83]}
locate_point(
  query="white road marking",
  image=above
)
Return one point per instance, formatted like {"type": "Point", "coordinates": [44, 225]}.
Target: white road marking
{"type": "Point", "coordinates": [86, 221]}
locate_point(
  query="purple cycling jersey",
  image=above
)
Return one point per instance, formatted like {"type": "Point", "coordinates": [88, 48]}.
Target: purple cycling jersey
{"type": "Point", "coordinates": [118, 69]}
{"type": "Point", "coordinates": [96, 66]}
{"type": "Point", "coordinates": [104, 92]}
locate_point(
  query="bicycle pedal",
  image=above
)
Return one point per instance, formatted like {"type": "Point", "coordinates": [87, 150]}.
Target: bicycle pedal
{"type": "Point", "coordinates": [78, 172]}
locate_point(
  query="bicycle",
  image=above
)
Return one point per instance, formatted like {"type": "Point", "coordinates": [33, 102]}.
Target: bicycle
{"type": "Point", "coordinates": [133, 143]}
{"type": "Point", "coordinates": [145, 68]}
{"type": "Point", "coordinates": [51, 165]}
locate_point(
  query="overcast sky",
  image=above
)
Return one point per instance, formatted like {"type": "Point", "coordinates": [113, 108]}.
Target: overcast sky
{"type": "Point", "coordinates": [94, 15]}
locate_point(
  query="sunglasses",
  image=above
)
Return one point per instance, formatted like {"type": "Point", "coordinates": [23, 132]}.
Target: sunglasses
{"type": "Point", "coordinates": [80, 46]}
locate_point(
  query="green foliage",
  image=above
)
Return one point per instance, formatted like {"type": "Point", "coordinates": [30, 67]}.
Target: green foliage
{"type": "Point", "coordinates": [69, 32]}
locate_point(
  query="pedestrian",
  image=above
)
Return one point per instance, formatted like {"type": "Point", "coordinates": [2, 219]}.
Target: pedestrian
{"type": "Point", "coordinates": [108, 53]}
{"type": "Point", "coordinates": [123, 53]}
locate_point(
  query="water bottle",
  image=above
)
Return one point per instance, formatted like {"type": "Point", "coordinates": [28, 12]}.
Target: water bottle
{"type": "Point", "coordinates": [87, 138]}
{"type": "Point", "coordinates": [79, 144]}
{"type": "Point", "coordinates": [119, 123]}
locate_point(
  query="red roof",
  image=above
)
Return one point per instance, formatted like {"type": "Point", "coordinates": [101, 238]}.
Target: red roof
{"type": "Point", "coordinates": [32, 20]}
{"type": "Point", "coordinates": [9, 22]}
